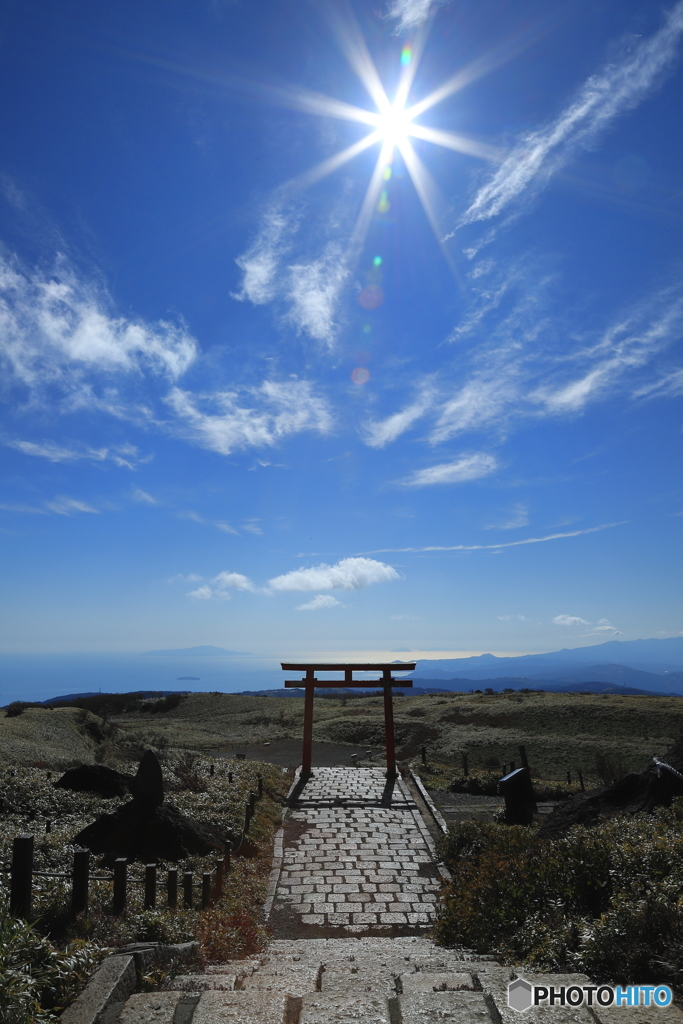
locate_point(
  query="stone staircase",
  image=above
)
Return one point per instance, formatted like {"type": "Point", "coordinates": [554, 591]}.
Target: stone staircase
{"type": "Point", "coordinates": [353, 890]}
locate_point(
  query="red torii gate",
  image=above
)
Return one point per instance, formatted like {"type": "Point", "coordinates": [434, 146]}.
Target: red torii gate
{"type": "Point", "coordinates": [310, 683]}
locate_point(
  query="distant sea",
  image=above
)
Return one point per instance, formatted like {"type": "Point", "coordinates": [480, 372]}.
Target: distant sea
{"type": "Point", "coordinates": [39, 676]}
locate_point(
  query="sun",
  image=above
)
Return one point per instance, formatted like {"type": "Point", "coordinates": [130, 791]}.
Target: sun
{"type": "Point", "coordinates": [393, 126]}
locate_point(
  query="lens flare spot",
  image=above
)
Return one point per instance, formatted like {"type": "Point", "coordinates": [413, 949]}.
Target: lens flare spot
{"type": "Point", "coordinates": [377, 262]}
{"type": "Point", "coordinates": [387, 173]}
{"type": "Point", "coordinates": [371, 297]}
{"type": "Point", "coordinates": [361, 375]}
{"type": "Point", "coordinates": [367, 329]}
{"type": "Point", "coordinates": [383, 205]}
{"type": "Point", "coordinates": [406, 56]}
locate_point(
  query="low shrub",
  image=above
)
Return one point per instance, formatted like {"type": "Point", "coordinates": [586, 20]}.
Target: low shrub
{"type": "Point", "coordinates": [606, 900]}
{"type": "Point", "coordinates": [37, 980]}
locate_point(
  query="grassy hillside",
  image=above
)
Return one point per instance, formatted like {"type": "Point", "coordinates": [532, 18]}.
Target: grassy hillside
{"type": "Point", "coordinates": [560, 731]}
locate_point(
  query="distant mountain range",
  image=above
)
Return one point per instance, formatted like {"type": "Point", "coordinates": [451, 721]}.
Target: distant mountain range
{"type": "Point", "coordinates": [648, 664]}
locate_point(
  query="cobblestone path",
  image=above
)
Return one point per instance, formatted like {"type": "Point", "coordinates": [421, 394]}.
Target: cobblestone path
{"type": "Point", "coordinates": [357, 859]}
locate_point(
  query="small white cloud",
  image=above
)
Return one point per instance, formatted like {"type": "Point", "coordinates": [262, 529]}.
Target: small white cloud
{"type": "Point", "coordinates": [234, 580]}
{"type": "Point", "coordinates": [321, 601]}
{"type": "Point", "coordinates": [603, 628]}
{"type": "Point", "coordinates": [201, 593]}
{"type": "Point", "coordinates": [67, 506]}
{"type": "Point", "coordinates": [348, 574]}
{"type": "Point", "coordinates": [59, 453]}
{"type": "Point", "coordinates": [411, 13]}
{"type": "Point", "coordinates": [143, 497]}
{"type": "Point", "coordinates": [570, 620]}
{"type": "Point", "coordinates": [509, 618]}
{"type": "Point", "coordinates": [467, 467]}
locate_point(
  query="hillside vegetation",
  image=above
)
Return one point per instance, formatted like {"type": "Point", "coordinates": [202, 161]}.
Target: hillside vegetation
{"type": "Point", "coordinates": [560, 731]}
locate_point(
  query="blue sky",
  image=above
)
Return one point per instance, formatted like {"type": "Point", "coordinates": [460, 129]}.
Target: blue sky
{"type": "Point", "coordinates": [422, 401]}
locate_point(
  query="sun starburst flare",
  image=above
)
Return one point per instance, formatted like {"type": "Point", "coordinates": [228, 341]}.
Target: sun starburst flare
{"type": "Point", "coordinates": [393, 124]}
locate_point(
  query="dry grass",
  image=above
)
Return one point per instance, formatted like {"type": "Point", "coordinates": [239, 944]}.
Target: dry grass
{"type": "Point", "coordinates": [61, 737]}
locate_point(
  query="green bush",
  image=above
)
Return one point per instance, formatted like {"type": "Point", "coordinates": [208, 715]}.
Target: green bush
{"type": "Point", "coordinates": [37, 980]}
{"type": "Point", "coordinates": [606, 900]}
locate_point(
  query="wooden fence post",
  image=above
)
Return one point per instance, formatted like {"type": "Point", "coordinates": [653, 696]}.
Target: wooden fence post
{"type": "Point", "coordinates": [247, 816]}
{"type": "Point", "coordinates": [22, 876]}
{"type": "Point", "coordinates": [569, 778]}
{"type": "Point", "coordinates": [187, 889]}
{"type": "Point", "coordinates": [80, 879]}
{"type": "Point", "coordinates": [211, 769]}
{"type": "Point", "coordinates": [583, 788]}
{"type": "Point", "coordinates": [218, 890]}
{"type": "Point", "coordinates": [465, 769]}
{"type": "Point", "coordinates": [150, 886]}
{"type": "Point", "coordinates": [229, 776]}
{"type": "Point", "coordinates": [172, 888]}
{"type": "Point", "coordinates": [226, 859]}
{"type": "Point", "coordinates": [423, 753]}
{"type": "Point", "coordinates": [206, 889]}
{"type": "Point", "coordinates": [120, 880]}
{"type": "Point", "coordinates": [260, 787]}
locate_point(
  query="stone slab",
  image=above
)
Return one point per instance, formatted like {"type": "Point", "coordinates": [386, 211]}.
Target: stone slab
{"type": "Point", "coordinates": [444, 1008]}
{"type": "Point", "coordinates": [241, 1008]}
{"type": "Point", "coordinates": [340, 1008]}
{"type": "Point", "coordinates": [113, 982]}
{"type": "Point", "coordinates": [202, 983]}
{"type": "Point", "coordinates": [291, 979]}
{"type": "Point", "coordinates": [150, 1008]}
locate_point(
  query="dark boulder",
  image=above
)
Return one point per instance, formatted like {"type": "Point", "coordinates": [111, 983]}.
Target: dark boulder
{"type": "Point", "coordinates": [96, 778]}
{"type": "Point", "coordinates": [146, 828]}
{"type": "Point", "coordinates": [634, 793]}
{"type": "Point", "coordinates": [140, 832]}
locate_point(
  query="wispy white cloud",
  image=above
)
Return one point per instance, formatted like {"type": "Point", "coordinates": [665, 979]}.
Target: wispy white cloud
{"type": "Point", "coordinates": [619, 87]}
{"type": "Point", "coordinates": [204, 593]}
{"type": "Point", "coordinates": [668, 385]}
{"type": "Point", "coordinates": [254, 417]}
{"type": "Point", "coordinates": [467, 467]}
{"type": "Point", "coordinates": [379, 433]}
{"type": "Point", "coordinates": [65, 506]}
{"type": "Point", "coordinates": [313, 292]}
{"type": "Point", "coordinates": [627, 345]}
{"type": "Point", "coordinates": [305, 280]}
{"type": "Point", "coordinates": [514, 520]}
{"type": "Point", "coordinates": [509, 618]}
{"type": "Point", "coordinates": [319, 602]}
{"type": "Point", "coordinates": [143, 497]}
{"type": "Point", "coordinates": [495, 547]}
{"type": "Point", "coordinates": [570, 620]}
{"type": "Point", "coordinates": [124, 456]}
{"type": "Point", "coordinates": [411, 14]}
{"type": "Point", "coordinates": [348, 574]}
{"type": "Point", "coordinates": [56, 326]}
{"type": "Point", "coordinates": [260, 264]}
